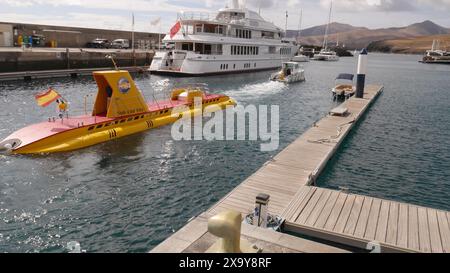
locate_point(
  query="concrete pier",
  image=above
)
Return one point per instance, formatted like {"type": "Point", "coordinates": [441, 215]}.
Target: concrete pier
{"type": "Point", "coordinates": [17, 60]}
{"type": "Point", "coordinates": [356, 221]}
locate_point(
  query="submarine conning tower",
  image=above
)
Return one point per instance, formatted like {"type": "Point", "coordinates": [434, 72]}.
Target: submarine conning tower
{"type": "Point", "coordinates": [117, 95]}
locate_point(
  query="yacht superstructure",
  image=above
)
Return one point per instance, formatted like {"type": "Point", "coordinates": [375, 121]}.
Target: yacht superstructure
{"type": "Point", "coordinates": [234, 40]}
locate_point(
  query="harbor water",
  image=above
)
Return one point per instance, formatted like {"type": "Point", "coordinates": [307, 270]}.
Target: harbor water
{"type": "Point", "coordinates": [130, 194]}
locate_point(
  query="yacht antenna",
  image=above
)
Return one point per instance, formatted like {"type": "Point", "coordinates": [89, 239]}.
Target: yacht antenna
{"type": "Point", "coordinates": [286, 28]}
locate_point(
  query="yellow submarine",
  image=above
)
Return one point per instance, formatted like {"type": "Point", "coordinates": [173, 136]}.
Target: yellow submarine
{"type": "Point", "coordinates": [119, 110]}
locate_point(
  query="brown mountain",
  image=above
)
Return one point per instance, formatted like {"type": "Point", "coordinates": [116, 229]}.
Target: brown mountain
{"type": "Point", "coordinates": [416, 45]}
{"type": "Point", "coordinates": [359, 37]}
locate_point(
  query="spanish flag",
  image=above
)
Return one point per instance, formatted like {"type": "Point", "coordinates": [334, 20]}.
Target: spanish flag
{"type": "Point", "coordinates": [174, 30]}
{"type": "Point", "coordinates": [46, 98]}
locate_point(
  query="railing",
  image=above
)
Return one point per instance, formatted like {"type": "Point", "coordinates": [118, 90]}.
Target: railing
{"type": "Point", "coordinates": [201, 16]}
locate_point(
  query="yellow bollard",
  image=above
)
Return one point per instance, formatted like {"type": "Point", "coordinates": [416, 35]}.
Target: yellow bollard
{"type": "Point", "coordinates": [227, 226]}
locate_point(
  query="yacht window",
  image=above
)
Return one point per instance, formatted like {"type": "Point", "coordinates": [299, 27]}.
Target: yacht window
{"type": "Point", "coordinates": [187, 46]}
{"type": "Point", "coordinates": [272, 49]}
{"type": "Point", "coordinates": [218, 50]}
{"type": "Point", "coordinates": [198, 28]}
{"type": "Point", "coordinates": [209, 28]}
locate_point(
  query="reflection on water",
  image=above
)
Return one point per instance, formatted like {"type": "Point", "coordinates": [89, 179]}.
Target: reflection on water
{"type": "Point", "coordinates": [130, 194]}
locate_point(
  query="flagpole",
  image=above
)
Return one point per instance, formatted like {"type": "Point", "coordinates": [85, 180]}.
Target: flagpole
{"type": "Point", "coordinates": [132, 40]}
{"type": "Point", "coordinates": [159, 36]}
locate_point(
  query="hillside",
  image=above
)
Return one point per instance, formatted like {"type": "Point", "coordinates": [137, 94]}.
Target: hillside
{"type": "Point", "coordinates": [359, 37]}
{"type": "Point", "coordinates": [417, 45]}
{"type": "Point", "coordinates": [320, 30]}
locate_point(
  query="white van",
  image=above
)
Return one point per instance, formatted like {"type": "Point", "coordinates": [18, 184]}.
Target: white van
{"type": "Point", "coordinates": [120, 43]}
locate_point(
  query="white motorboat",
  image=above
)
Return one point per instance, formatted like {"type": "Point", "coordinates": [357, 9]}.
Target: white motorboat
{"type": "Point", "coordinates": [344, 88]}
{"type": "Point", "coordinates": [290, 72]}
{"type": "Point", "coordinates": [300, 58]}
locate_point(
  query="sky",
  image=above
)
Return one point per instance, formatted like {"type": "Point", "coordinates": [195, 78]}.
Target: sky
{"type": "Point", "coordinates": [160, 15]}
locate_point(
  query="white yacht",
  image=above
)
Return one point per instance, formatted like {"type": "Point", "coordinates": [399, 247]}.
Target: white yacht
{"type": "Point", "coordinates": [325, 54]}
{"type": "Point", "coordinates": [234, 40]}
{"type": "Point", "coordinates": [436, 55]}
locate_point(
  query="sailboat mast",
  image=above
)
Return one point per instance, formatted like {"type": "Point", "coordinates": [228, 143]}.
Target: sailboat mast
{"type": "Point", "coordinates": [325, 40]}
{"type": "Point", "coordinates": [299, 33]}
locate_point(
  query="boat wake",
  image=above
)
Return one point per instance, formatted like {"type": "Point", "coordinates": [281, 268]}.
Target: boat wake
{"type": "Point", "coordinates": [257, 90]}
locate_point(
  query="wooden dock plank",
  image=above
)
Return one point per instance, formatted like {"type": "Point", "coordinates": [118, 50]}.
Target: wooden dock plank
{"type": "Point", "coordinates": [298, 198]}
{"type": "Point", "coordinates": [345, 214]}
{"type": "Point", "coordinates": [301, 218]}
{"type": "Point", "coordinates": [301, 206]}
{"type": "Point", "coordinates": [354, 215]}
{"type": "Point", "coordinates": [361, 226]}
{"type": "Point", "coordinates": [373, 219]}
{"type": "Point", "coordinates": [435, 236]}
{"type": "Point", "coordinates": [318, 209]}
{"type": "Point", "coordinates": [392, 227]}
{"type": "Point", "coordinates": [332, 219]}
{"type": "Point", "coordinates": [320, 223]}
{"type": "Point", "coordinates": [444, 229]}
{"type": "Point", "coordinates": [402, 234]}
{"type": "Point", "coordinates": [424, 232]}
{"type": "Point", "coordinates": [413, 228]}
{"type": "Point", "coordinates": [380, 234]}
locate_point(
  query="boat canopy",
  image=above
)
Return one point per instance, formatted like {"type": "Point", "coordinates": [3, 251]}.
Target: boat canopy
{"type": "Point", "coordinates": [345, 76]}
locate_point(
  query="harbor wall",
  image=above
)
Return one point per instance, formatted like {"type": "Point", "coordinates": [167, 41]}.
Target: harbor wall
{"type": "Point", "coordinates": [37, 61]}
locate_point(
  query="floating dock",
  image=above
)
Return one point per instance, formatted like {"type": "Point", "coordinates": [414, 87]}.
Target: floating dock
{"type": "Point", "coordinates": [346, 222]}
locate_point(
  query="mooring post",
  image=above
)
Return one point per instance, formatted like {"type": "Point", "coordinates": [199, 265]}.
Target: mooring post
{"type": "Point", "coordinates": [362, 69]}
{"type": "Point", "coordinates": [260, 212]}
{"type": "Point", "coordinates": [227, 226]}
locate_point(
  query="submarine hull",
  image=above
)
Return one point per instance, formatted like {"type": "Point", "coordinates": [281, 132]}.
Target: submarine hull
{"type": "Point", "coordinates": [73, 137]}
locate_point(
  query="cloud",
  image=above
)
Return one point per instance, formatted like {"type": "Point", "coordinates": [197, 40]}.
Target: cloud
{"type": "Point", "coordinates": [137, 5]}
{"type": "Point", "coordinates": [371, 5]}
{"type": "Point", "coordinates": [117, 13]}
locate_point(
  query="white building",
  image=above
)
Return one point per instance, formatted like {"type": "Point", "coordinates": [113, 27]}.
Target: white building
{"type": "Point", "coordinates": [6, 35]}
